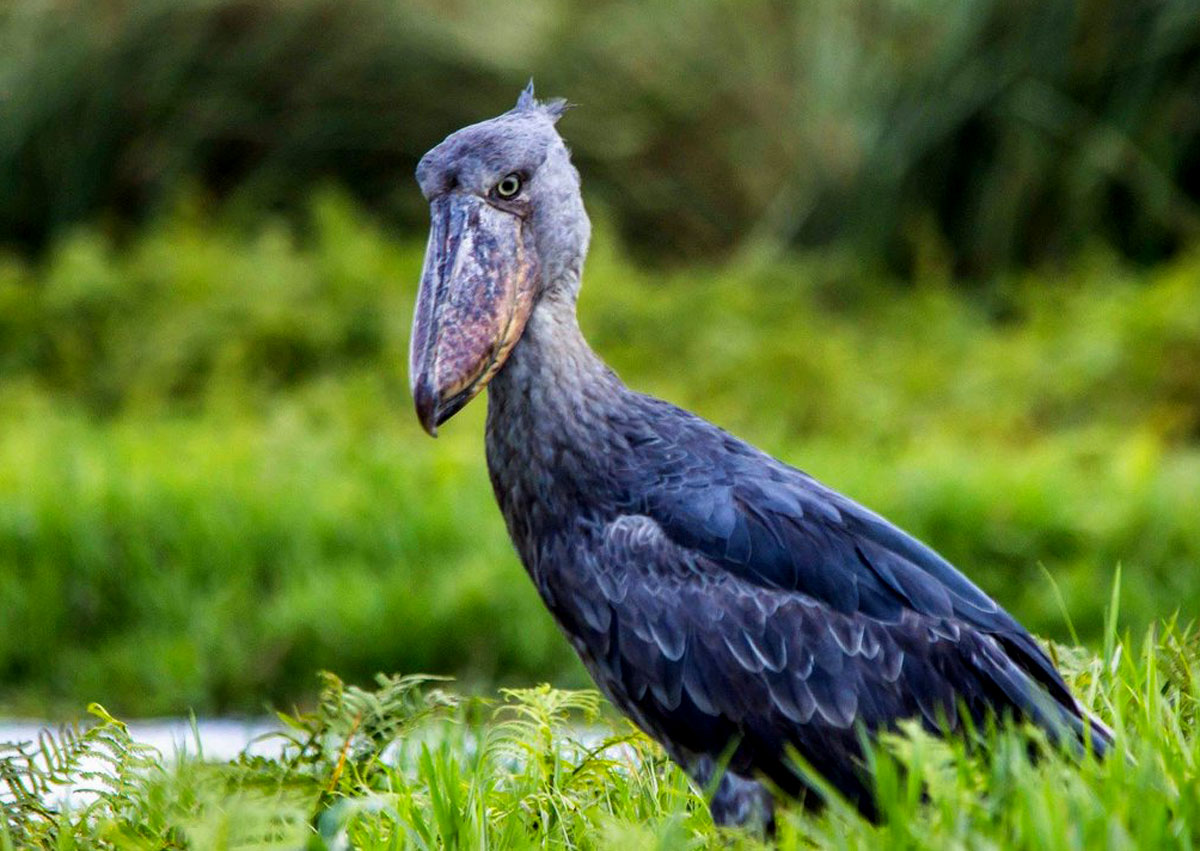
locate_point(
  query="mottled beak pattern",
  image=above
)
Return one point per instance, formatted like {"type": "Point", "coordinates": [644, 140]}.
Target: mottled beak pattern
{"type": "Point", "coordinates": [477, 290]}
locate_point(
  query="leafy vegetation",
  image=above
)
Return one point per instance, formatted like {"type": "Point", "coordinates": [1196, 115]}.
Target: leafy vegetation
{"type": "Point", "coordinates": [212, 483]}
{"type": "Point", "coordinates": [408, 764]}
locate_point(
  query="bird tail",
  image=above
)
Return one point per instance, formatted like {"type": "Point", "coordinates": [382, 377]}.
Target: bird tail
{"type": "Point", "coordinates": [1059, 714]}
{"type": "Point", "coordinates": [1090, 730]}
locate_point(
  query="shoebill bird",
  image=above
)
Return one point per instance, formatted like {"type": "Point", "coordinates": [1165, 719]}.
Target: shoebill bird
{"type": "Point", "coordinates": [736, 609]}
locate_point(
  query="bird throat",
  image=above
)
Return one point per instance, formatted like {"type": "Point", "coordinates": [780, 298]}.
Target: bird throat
{"type": "Point", "coordinates": [550, 426]}
{"type": "Point", "coordinates": [553, 378]}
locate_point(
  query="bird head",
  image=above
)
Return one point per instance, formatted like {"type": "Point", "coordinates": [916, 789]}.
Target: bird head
{"type": "Point", "coordinates": [507, 229]}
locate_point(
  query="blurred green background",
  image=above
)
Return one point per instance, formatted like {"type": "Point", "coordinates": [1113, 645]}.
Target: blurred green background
{"type": "Point", "coordinates": [943, 255]}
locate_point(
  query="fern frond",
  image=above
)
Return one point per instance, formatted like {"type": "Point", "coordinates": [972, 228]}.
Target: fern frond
{"type": "Point", "coordinates": [90, 769]}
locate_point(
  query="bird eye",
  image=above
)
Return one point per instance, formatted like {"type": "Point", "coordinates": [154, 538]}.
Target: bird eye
{"type": "Point", "coordinates": [509, 186]}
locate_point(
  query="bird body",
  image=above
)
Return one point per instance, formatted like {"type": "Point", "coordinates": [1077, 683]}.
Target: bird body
{"type": "Point", "coordinates": [733, 607]}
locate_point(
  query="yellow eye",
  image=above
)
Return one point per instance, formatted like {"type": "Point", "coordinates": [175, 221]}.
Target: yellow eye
{"type": "Point", "coordinates": [509, 186]}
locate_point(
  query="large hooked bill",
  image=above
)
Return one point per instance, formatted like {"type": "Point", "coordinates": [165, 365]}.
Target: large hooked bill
{"type": "Point", "coordinates": [477, 289]}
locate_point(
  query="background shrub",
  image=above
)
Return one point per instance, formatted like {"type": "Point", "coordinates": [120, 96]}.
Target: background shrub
{"type": "Point", "coordinates": [973, 137]}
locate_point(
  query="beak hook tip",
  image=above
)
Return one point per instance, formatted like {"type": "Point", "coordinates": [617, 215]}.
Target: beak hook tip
{"type": "Point", "coordinates": [426, 403]}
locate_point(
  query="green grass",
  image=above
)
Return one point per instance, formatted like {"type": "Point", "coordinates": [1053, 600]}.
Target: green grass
{"type": "Point", "coordinates": [409, 764]}
{"type": "Point", "coordinates": [212, 482]}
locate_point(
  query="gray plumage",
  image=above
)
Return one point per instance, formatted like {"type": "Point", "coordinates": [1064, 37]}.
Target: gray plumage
{"type": "Point", "coordinates": [729, 604]}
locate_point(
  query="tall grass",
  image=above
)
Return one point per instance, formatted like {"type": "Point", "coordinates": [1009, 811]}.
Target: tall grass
{"type": "Point", "coordinates": [408, 765]}
{"type": "Point", "coordinates": [211, 480]}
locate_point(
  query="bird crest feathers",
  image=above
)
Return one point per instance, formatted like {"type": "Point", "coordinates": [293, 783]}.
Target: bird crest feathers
{"type": "Point", "coordinates": [553, 109]}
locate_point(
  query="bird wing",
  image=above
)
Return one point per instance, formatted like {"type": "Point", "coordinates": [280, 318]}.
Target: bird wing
{"type": "Point", "coordinates": [711, 663]}
{"type": "Point", "coordinates": [778, 528]}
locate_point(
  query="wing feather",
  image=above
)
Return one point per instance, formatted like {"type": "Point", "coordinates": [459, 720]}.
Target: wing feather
{"type": "Point", "coordinates": [705, 660]}
{"type": "Point", "coordinates": [774, 526]}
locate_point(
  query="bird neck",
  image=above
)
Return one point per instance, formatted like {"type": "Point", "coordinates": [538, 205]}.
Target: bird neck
{"type": "Point", "coordinates": [551, 416]}
{"type": "Point", "coordinates": [552, 375]}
